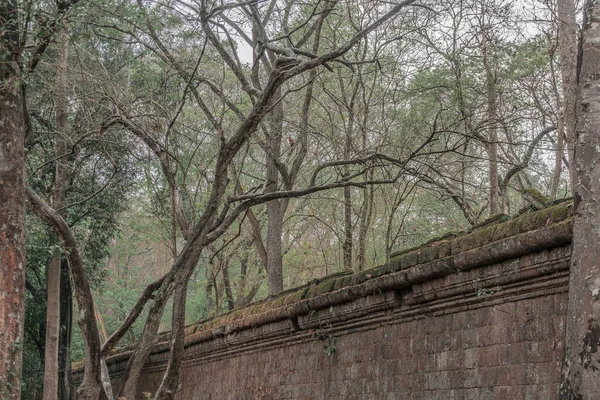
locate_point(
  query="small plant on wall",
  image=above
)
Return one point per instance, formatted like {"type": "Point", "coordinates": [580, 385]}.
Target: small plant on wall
{"type": "Point", "coordinates": [329, 348]}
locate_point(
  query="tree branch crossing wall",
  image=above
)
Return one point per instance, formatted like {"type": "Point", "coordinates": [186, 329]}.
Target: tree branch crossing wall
{"type": "Point", "coordinates": [474, 315]}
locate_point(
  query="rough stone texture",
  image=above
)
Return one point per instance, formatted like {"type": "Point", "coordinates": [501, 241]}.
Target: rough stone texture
{"type": "Point", "coordinates": [478, 315]}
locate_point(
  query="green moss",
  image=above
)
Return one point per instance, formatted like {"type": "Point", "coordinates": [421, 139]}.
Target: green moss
{"type": "Point", "coordinates": [321, 288]}
{"type": "Point", "coordinates": [378, 271]}
{"type": "Point", "coordinates": [444, 249]}
{"type": "Point", "coordinates": [277, 302]}
{"type": "Point", "coordinates": [427, 254]}
{"type": "Point", "coordinates": [326, 286]}
{"type": "Point", "coordinates": [254, 309]}
{"type": "Point", "coordinates": [360, 277]}
{"type": "Point", "coordinates": [529, 222]}
{"type": "Point", "coordinates": [388, 268]}
{"type": "Point", "coordinates": [502, 231]}
{"type": "Point", "coordinates": [452, 234]}
{"type": "Point", "coordinates": [396, 259]}
{"type": "Point", "coordinates": [405, 251]}
{"type": "Point", "coordinates": [435, 239]}
{"type": "Point", "coordinates": [347, 280]}
{"type": "Point", "coordinates": [291, 290]}
{"type": "Point", "coordinates": [495, 219]}
{"type": "Point", "coordinates": [293, 297]}
{"type": "Point", "coordinates": [536, 197]}
{"type": "Point", "coordinates": [305, 290]}
{"type": "Point", "coordinates": [409, 259]}
{"type": "Point", "coordinates": [331, 276]}
{"type": "Point", "coordinates": [484, 236]}
{"type": "Point", "coordinates": [338, 283]}
{"type": "Point", "coordinates": [463, 243]}
{"type": "Point", "coordinates": [561, 212]}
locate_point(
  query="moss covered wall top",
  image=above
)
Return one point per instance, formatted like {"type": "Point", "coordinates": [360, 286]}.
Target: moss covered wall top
{"type": "Point", "coordinates": [497, 239]}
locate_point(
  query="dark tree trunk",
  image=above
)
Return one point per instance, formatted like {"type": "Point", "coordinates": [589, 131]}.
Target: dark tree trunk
{"type": "Point", "coordinates": [12, 205]}
{"type": "Point", "coordinates": [66, 326]}
{"type": "Point", "coordinates": [52, 330]}
{"type": "Point", "coordinates": [210, 304]}
{"type": "Point", "coordinates": [227, 284]}
{"type": "Point", "coordinates": [581, 365]}
{"type": "Point", "coordinates": [347, 244]}
{"type": "Point", "coordinates": [365, 223]}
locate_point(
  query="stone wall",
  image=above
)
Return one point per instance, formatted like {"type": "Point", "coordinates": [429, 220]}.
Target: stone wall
{"type": "Point", "coordinates": [473, 315]}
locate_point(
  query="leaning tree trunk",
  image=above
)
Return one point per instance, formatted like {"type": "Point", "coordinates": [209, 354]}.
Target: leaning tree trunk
{"type": "Point", "coordinates": [91, 387]}
{"type": "Point", "coordinates": [581, 365]}
{"type": "Point", "coordinates": [170, 382]}
{"type": "Point", "coordinates": [12, 206]}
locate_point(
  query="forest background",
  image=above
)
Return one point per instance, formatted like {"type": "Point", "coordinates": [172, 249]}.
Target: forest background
{"type": "Point", "coordinates": [194, 156]}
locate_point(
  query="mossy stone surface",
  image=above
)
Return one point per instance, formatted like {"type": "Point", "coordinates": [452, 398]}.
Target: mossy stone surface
{"type": "Point", "coordinates": [409, 259]}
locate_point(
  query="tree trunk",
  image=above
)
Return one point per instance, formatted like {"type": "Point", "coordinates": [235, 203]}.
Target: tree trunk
{"type": "Point", "coordinates": [368, 203]}
{"type": "Point", "coordinates": [227, 284]}
{"type": "Point", "coordinates": [170, 383]}
{"type": "Point", "coordinates": [274, 255]}
{"type": "Point", "coordinates": [348, 239]}
{"type": "Point", "coordinates": [347, 244]}
{"type": "Point", "coordinates": [66, 326]}
{"type": "Point", "coordinates": [558, 156]}
{"type": "Point", "coordinates": [492, 145]}
{"type": "Point", "coordinates": [210, 304]}
{"type": "Point", "coordinates": [567, 40]}
{"type": "Point", "coordinates": [12, 208]}
{"type": "Point", "coordinates": [148, 339]}
{"type": "Point", "coordinates": [581, 365]}
{"type": "Point", "coordinates": [91, 387]}
{"type": "Point", "coordinates": [52, 331]}
{"type": "Point", "coordinates": [365, 222]}
{"type": "Point", "coordinates": [560, 133]}
{"type": "Point", "coordinates": [275, 212]}
{"type": "Point", "coordinates": [51, 367]}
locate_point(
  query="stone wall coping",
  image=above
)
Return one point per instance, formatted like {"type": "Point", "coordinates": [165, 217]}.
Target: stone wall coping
{"type": "Point", "coordinates": [495, 240]}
